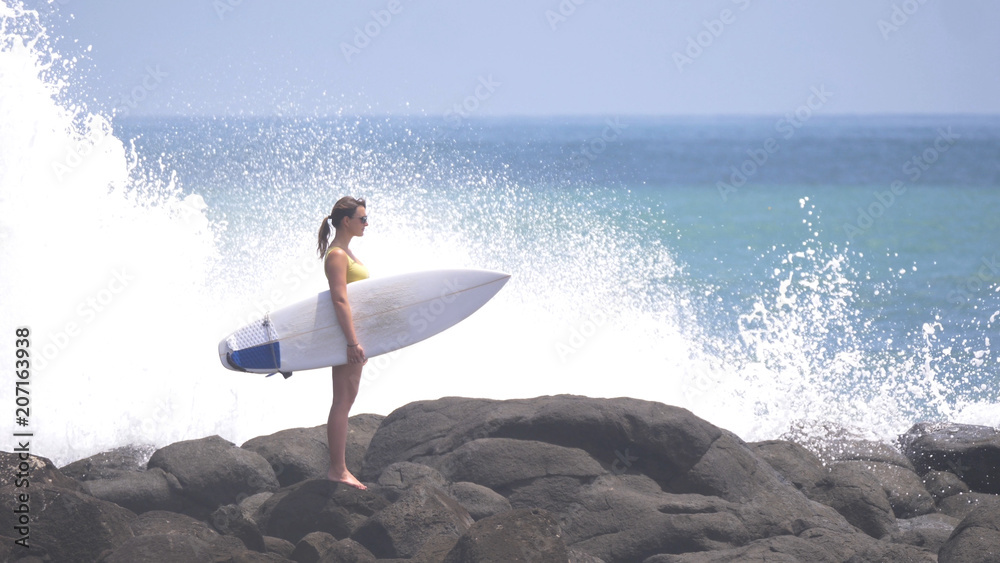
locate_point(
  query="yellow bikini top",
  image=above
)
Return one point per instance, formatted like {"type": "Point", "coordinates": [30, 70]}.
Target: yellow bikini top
{"type": "Point", "coordinates": [355, 270]}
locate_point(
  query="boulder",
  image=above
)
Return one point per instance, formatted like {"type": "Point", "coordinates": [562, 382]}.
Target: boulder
{"type": "Point", "coordinates": [400, 476]}
{"type": "Point", "coordinates": [279, 546]}
{"type": "Point", "coordinates": [313, 547]}
{"type": "Point", "coordinates": [295, 455]}
{"type": "Point", "coordinates": [616, 472]}
{"type": "Point", "coordinates": [975, 540]}
{"type": "Point", "coordinates": [138, 491]}
{"type": "Point", "coordinates": [929, 531]}
{"type": "Point", "coordinates": [515, 535]}
{"type": "Point", "coordinates": [970, 452]}
{"type": "Point", "coordinates": [402, 528]}
{"type": "Point", "coordinates": [961, 505]}
{"type": "Point", "coordinates": [481, 502]}
{"type": "Point", "coordinates": [318, 505]}
{"type": "Point", "coordinates": [162, 548]}
{"type": "Point", "coordinates": [40, 471]}
{"type": "Point", "coordinates": [794, 463]}
{"type": "Point", "coordinates": [903, 487]}
{"type": "Point", "coordinates": [779, 549]}
{"type": "Point", "coordinates": [213, 472]}
{"type": "Point", "coordinates": [943, 484]}
{"type": "Point", "coordinates": [347, 551]}
{"type": "Point", "coordinates": [65, 524]}
{"type": "Point", "coordinates": [109, 464]}
{"type": "Point", "coordinates": [857, 494]}
{"type": "Point", "coordinates": [230, 520]}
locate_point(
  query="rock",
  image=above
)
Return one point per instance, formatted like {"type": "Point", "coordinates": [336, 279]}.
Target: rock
{"type": "Point", "coordinates": [501, 463]}
{"type": "Point", "coordinates": [229, 520]}
{"type": "Point", "coordinates": [516, 535]}
{"type": "Point", "coordinates": [161, 522]}
{"type": "Point", "coordinates": [961, 505]}
{"type": "Point", "coordinates": [856, 493]}
{"type": "Point", "coordinates": [318, 506]}
{"type": "Point", "coordinates": [976, 539]}
{"type": "Point", "coordinates": [943, 484]}
{"type": "Point", "coordinates": [848, 449]}
{"type": "Point", "coordinates": [348, 551]}
{"type": "Point", "coordinates": [904, 489]}
{"type": "Point", "coordinates": [295, 455]}
{"type": "Point", "coordinates": [398, 477]}
{"type": "Point", "coordinates": [41, 471]}
{"type": "Point", "coordinates": [929, 531]}
{"type": "Point", "coordinates": [970, 452]}
{"type": "Point", "coordinates": [617, 472]}
{"type": "Point", "coordinates": [250, 506]}
{"type": "Point", "coordinates": [313, 547]}
{"type": "Point", "coordinates": [213, 472]}
{"type": "Point", "coordinates": [279, 546]}
{"type": "Point", "coordinates": [360, 430]}
{"type": "Point", "coordinates": [109, 464]}
{"type": "Point", "coordinates": [67, 525]}
{"type": "Point", "coordinates": [795, 463]}
{"type": "Point", "coordinates": [138, 491]}
{"type": "Point", "coordinates": [481, 502]}
{"type": "Point", "coordinates": [162, 548]}
{"type": "Point", "coordinates": [779, 549]}
{"type": "Point", "coordinates": [402, 528]}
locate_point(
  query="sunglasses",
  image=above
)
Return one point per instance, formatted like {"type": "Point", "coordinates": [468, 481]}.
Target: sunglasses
{"type": "Point", "coordinates": [363, 219]}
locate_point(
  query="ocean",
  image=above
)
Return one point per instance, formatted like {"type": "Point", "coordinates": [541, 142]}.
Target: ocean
{"type": "Point", "coordinates": [794, 276]}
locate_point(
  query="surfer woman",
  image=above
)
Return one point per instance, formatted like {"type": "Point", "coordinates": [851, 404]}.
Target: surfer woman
{"type": "Point", "coordinates": [349, 220]}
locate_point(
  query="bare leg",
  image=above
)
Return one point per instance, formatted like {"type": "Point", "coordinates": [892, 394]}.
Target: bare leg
{"type": "Point", "coordinates": [346, 381]}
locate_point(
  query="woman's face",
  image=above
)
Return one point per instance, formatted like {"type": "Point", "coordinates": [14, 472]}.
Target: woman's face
{"type": "Point", "coordinates": [357, 223]}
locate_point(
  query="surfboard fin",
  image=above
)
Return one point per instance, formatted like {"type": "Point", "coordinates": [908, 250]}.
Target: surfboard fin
{"type": "Point", "coordinates": [285, 374]}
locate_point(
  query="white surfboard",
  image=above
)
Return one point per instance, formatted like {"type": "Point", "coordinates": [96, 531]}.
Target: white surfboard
{"type": "Point", "coordinates": [389, 313]}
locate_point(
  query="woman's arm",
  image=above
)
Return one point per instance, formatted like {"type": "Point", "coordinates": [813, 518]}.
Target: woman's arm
{"type": "Point", "coordinates": [335, 267]}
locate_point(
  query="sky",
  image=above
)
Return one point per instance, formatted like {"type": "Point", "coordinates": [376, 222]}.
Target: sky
{"type": "Point", "coordinates": [531, 57]}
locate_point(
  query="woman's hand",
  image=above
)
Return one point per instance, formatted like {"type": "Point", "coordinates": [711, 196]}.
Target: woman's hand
{"type": "Point", "coordinates": [356, 355]}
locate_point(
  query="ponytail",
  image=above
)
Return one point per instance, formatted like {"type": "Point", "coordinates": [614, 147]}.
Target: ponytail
{"type": "Point", "coordinates": [324, 237]}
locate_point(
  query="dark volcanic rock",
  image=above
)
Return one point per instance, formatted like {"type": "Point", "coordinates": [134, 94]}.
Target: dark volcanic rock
{"type": "Point", "coordinates": [398, 477]}
{"type": "Point", "coordinates": [970, 452]}
{"type": "Point", "coordinates": [67, 525]}
{"type": "Point", "coordinates": [313, 546]}
{"type": "Point", "coordinates": [40, 471]}
{"type": "Point", "coordinates": [139, 491]}
{"type": "Point", "coordinates": [347, 551]}
{"type": "Point", "coordinates": [481, 502]}
{"type": "Point", "coordinates": [109, 464]}
{"type": "Point", "coordinates": [962, 504]}
{"type": "Point", "coordinates": [295, 455]}
{"type": "Point", "coordinates": [402, 528]}
{"type": "Point", "coordinates": [213, 472]}
{"type": "Point", "coordinates": [317, 506]}
{"type": "Point", "coordinates": [943, 484]}
{"type": "Point", "coordinates": [626, 478]}
{"type": "Point", "coordinates": [229, 520]}
{"type": "Point", "coordinates": [975, 540]}
{"type": "Point", "coordinates": [904, 489]}
{"type": "Point", "coordinates": [929, 531]}
{"type": "Point", "coordinates": [516, 535]}
{"type": "Point", "coordinates": [857, 494]}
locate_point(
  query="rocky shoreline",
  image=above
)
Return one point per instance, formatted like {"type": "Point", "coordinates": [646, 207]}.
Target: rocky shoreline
{"type": "Point", "coordinates": [550, 479]}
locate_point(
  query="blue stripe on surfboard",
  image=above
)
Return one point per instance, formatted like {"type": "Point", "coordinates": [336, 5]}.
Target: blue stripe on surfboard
{"type": "Point", "coordinates": [265, 356]}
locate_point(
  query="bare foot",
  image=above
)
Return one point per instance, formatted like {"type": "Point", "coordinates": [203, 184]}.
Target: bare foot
{"type": "Point", "coordinates": [346, 478]}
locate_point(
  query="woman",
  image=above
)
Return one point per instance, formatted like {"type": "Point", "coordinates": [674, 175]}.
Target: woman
{"type": "Point", "coordinates": [349, 220]}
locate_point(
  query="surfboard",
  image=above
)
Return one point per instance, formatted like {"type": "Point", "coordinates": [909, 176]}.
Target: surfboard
{"type": "Point", "coordinates": [389, 313]}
